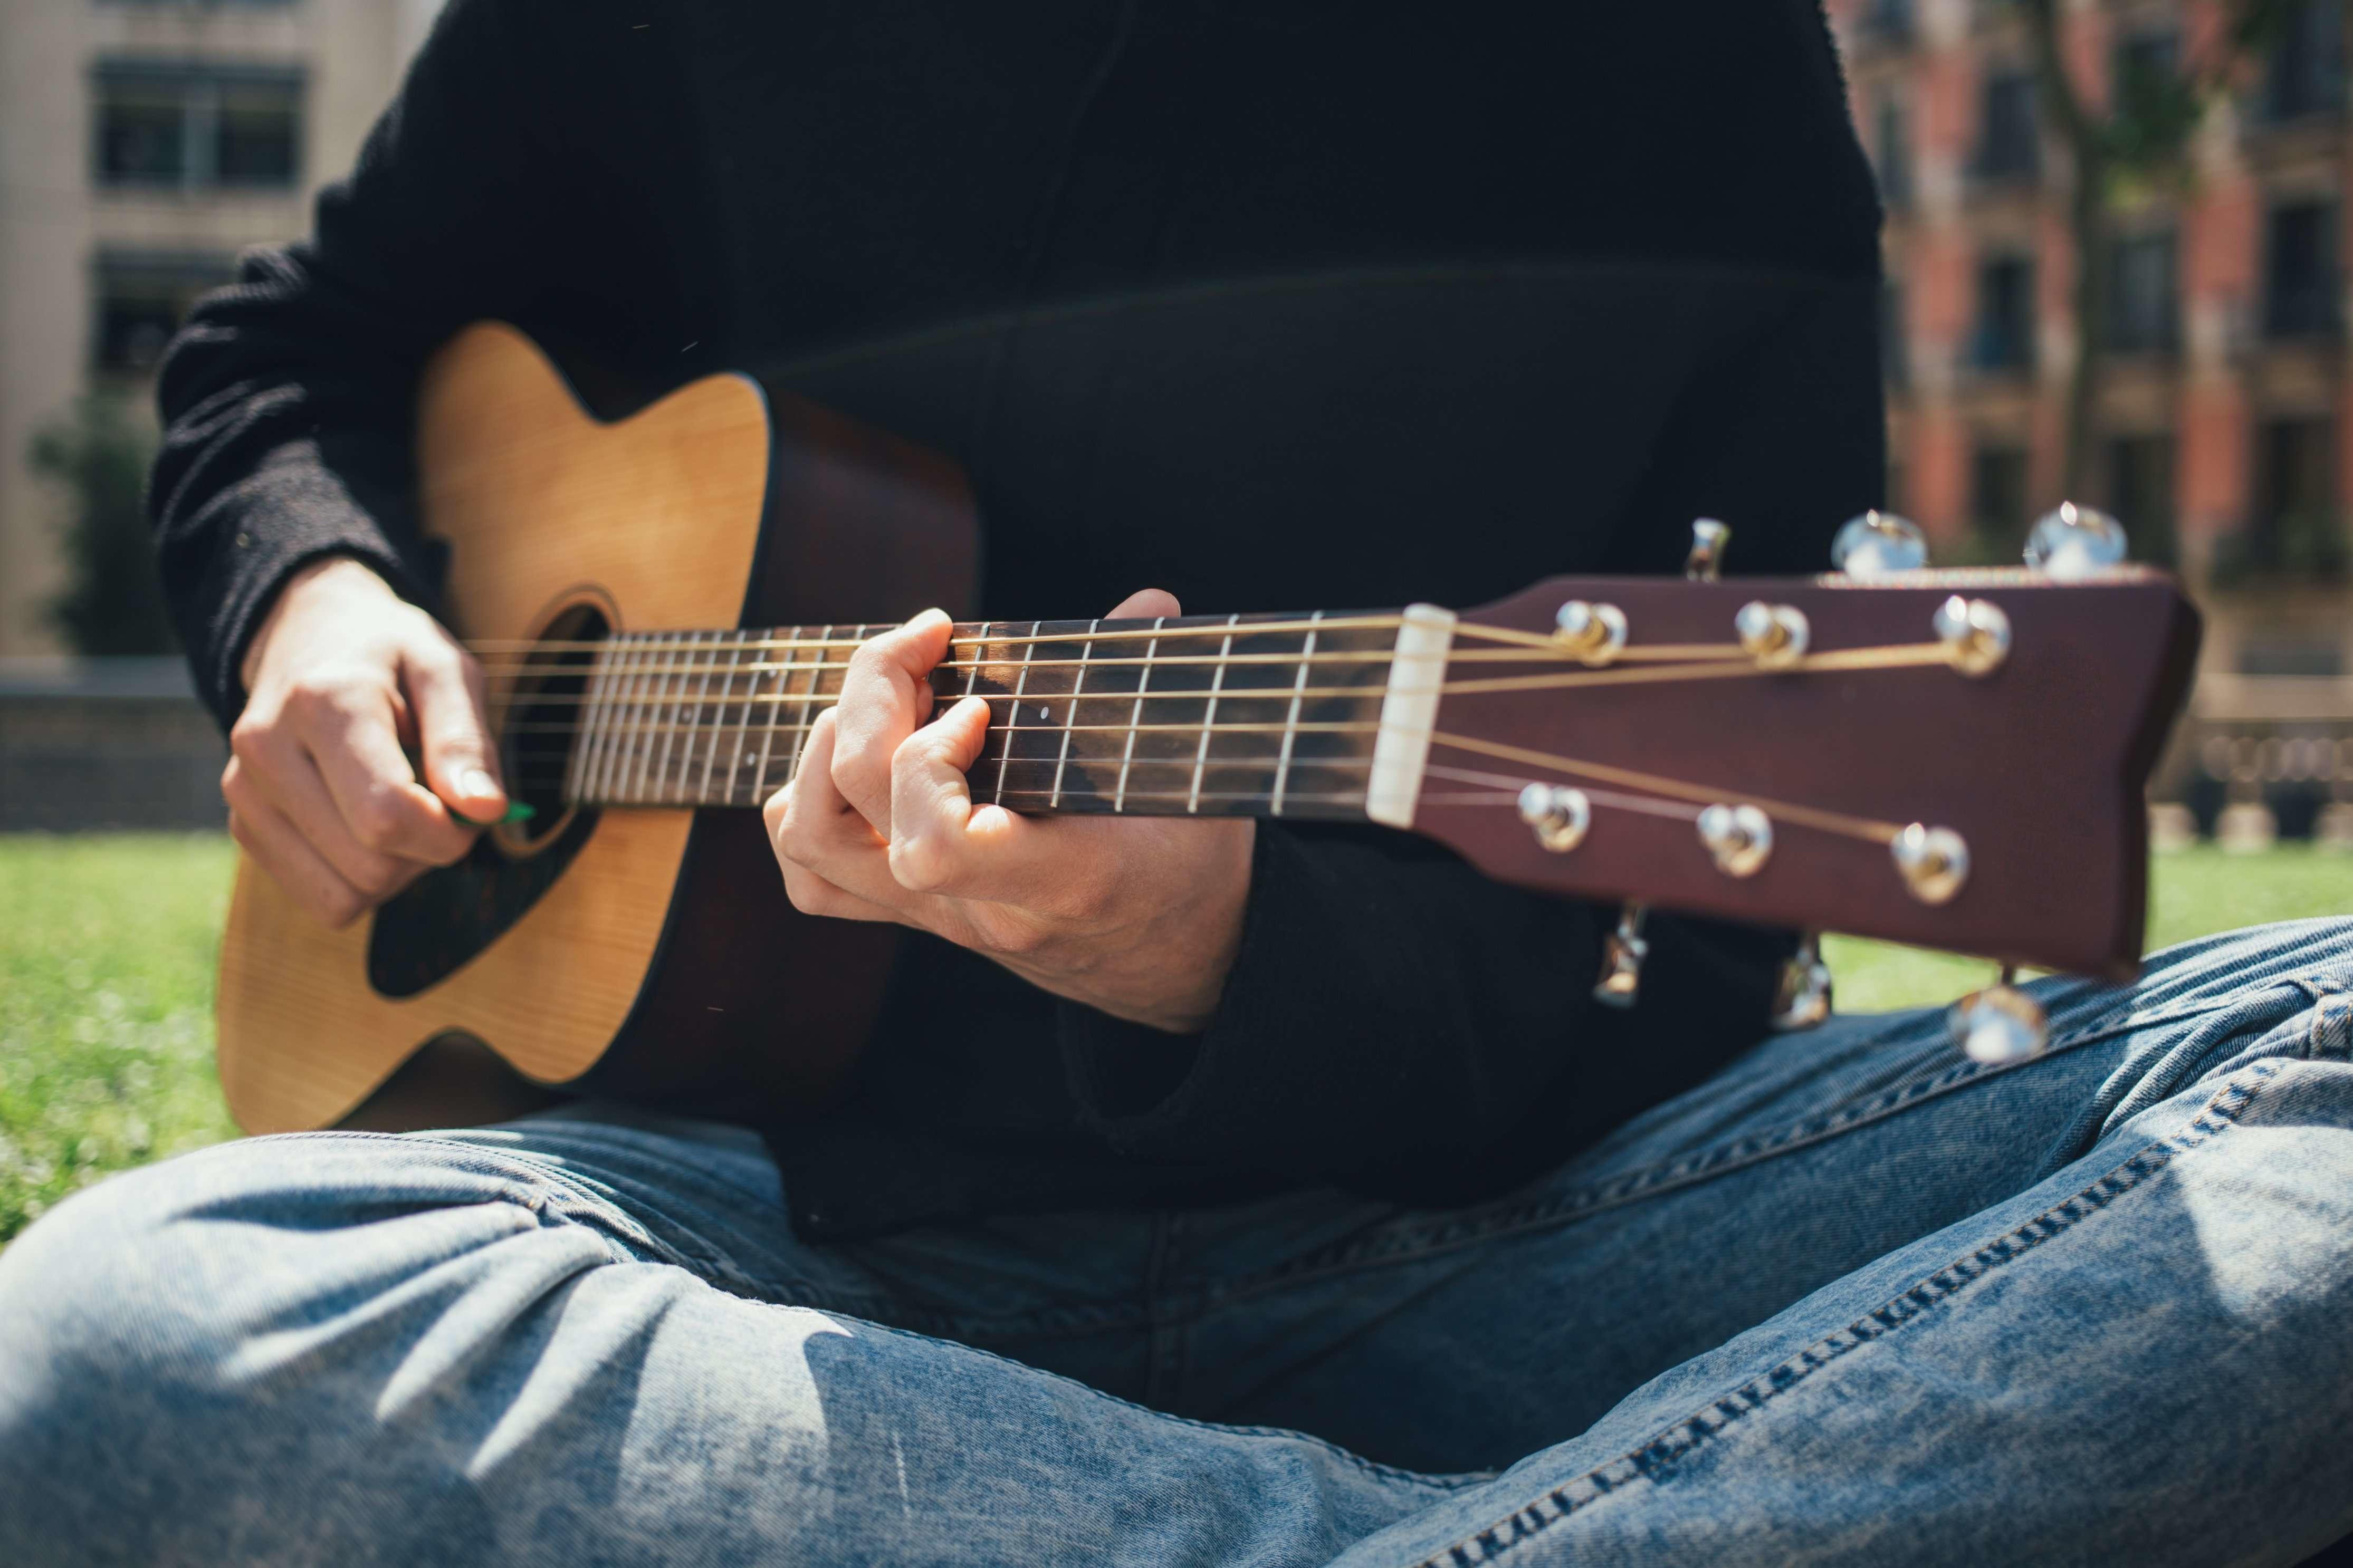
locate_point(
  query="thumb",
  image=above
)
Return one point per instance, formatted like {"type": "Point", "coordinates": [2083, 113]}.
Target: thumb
{"type": "Point", "coordinates": [445, 687]}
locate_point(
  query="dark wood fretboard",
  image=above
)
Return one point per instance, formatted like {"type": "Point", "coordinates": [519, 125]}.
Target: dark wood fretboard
{"type": "Point", "coordinates": [1260, 714]}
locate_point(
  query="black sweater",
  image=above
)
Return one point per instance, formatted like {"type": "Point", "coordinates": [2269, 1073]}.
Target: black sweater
{"type": "Point", "coordinates": [1273, 303]}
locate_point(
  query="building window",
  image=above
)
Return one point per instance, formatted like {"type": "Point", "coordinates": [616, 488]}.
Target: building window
{"type": "Point", "coordinates": [197, 126]}
{"type": "Point", "coordinates": [2295, 532]}
{"type": "Point", "coordinates": [2004, 339]}
{"type": "Point", "coordinates": [1894, 154]}
{"type": "Point", "coordinates": [2009, 145]}
{"type": "Point", "coordinates": [2305, 73]}
{"type": "Point", "coordinates": [1887, 21]}
{"type": "Point", "coordinates": [142, 297]}
{"type": "Point", "coordinates": [1998, 503]}
{"type": "Point", "coordinates": [2144, 309]}
{"type": "Point", "coordinates": [2300, 269]}
{"type": "Point", "coordinates": [2141, 492]}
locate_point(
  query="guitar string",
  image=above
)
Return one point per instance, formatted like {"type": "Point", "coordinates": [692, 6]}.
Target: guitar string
{"type": "Point", "coordinates": [1846, 825]}
{"type": "Point", "coordinates": [556, 671]}
{"type": "Point", "coordinates": [1212, 627]}
{"type": "Point", "coordinates": [1897, 656]}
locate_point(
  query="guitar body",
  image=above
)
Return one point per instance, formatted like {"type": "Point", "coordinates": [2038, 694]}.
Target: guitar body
{"type": "Point", "coordinates": [643, 952]}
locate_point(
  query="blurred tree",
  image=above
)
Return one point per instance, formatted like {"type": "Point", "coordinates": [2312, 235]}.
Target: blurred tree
{"type": "Point", "coordinates": [2152, 108]}
{"type": "Point", "coordinates": [113, 602]}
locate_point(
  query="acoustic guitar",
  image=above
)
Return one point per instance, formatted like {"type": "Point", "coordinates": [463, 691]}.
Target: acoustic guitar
{"type": "Point", "coordinates": [664, 605]}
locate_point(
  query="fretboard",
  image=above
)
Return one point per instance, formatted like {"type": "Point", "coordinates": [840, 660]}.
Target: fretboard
{"type": "Point", "coordinates": [1261, 714]}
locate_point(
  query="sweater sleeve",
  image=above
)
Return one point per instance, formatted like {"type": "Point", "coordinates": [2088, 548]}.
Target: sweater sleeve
{"type": "Point", "coordinates": [286, 399]}
{"type": "Point", "coordinates": [1394, 1018]}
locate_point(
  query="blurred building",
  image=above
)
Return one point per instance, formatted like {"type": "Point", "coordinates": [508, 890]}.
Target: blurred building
{"type": "Point", "coordinates": [2223, 401]}
{"type": "Point", "coordinates": [142, 144]}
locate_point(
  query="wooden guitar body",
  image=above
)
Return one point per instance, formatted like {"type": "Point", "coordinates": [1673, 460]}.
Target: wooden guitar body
{"type": "Point", "coordinates": [645, 953]}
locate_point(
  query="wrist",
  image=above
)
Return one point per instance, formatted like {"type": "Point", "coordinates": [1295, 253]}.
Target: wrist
{"type": "Point", "coordinates": [330, 579]}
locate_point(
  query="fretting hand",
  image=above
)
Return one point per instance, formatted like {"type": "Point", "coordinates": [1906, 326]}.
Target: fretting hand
{"type": "Point", "coordinates": [1139, 916]}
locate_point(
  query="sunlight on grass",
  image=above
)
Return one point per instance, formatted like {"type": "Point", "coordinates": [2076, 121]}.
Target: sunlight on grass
{"type": "Point", "coordinates": [108, 943]}
{"type": "Point", "coordinates": [107, 946]}
{"type": "Point", "coordinates": [2192, 892]}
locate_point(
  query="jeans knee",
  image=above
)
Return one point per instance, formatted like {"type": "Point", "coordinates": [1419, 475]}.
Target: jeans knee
{"type": "Point", "coordinates": [103, 1311]}
{"type": "Point", "coordinates": [181, 1341]}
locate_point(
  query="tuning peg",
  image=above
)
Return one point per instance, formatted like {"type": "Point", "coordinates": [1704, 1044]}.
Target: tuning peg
{"type": "Point", "coordinates": [1999, 1023]}
{"type": "Point", "coordinates": [1623, 952]}
{"type": "Point", "coordinates": [1877, 544]}
{"type": "Point", "coordinates": [1705, 561]}
{"type": "Point", "coordinates": [1804, 998]}
{"type": "Point", "coordinates": [2071, 541]}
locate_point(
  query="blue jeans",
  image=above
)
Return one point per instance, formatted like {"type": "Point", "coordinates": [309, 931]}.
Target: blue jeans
{"type": "Point", "coordinates": [1855, 1300]}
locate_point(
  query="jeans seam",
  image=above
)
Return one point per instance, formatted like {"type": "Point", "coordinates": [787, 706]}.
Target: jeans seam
{"type": "Point", "coordinates": [1654, 1459]}
{"type": "Point", "coordinates": [1372, 1467]}
{"type": "Point", "coordinates": [1508, 1217]}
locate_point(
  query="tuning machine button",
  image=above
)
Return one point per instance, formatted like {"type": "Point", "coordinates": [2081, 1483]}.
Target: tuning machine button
{"type": "Point", "coordinates": [1596, 634]}
{"type": "Point", "coordinates": [1774, 635]}
{"type": "Point", "coordinates": [1879, 544]}
{"type": "Point", "coordinates": [1559, 814]}
{"type": "Point", "coordinates": [1999, 1023]}
{"type": "Point", "coordinates": [2072, 541]}
{"type": "Point", "coordinates": [1975, 634]}
{"type": "Point", "coordinates": [1933, 861]}
{"type": "Point", "coordinates": [1704, 562]}
{"type": "Point", "coordinates": [1623, 952]}
{"type": "Point", "coordinates": [1803, 998]}
{"type": "Point", "coordinates": [1740, 837]}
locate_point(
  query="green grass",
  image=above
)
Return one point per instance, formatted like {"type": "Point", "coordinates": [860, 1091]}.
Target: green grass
{"type": "Point", "coordinates": [2192, 892]}
{"type": "Point", "coordinates": [107, 946]}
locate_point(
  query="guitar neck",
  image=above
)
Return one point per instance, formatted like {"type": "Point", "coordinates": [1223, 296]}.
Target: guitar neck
{"type": "Point", "coordinates": [1312, 715]}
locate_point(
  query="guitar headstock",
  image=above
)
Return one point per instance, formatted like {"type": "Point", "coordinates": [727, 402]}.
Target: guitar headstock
{"type": "Point", "coordinates": [1949, 758]}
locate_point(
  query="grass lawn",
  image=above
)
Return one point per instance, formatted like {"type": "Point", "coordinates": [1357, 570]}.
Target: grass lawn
{"type": "Point", "coordinates": [107, 946]}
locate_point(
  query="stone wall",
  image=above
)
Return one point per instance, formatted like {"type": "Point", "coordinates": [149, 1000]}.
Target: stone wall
{"type": "Point", "coordinates": [106, 743]}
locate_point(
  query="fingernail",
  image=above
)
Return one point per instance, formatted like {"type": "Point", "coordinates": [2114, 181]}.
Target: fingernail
{"type": "Point", "coordinates": [474, 782]}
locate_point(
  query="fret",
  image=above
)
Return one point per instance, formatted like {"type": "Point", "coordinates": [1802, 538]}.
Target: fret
{"type": "Point", "coordinates": [743, 730]}
{"type": "Point", "coordinates": [639, 748]}
{"type": "Point", "coordinates": [695, 716]}
{"type": "Point", "coordinates": [1070, 718]}
{"type": "Point", "coordinates": [768, 735]}
{"type": "Point", "coordinates": [1013, 714]}
{"type": "Point", "coordinates": [1136, 715]}
{"type": "Point", "coordinates": [584, 745]}
{"type": "Point", "coordinates": [680, 660]}
{"type": "Point", "coordinates": [1290, 723]}
{"type": "Point", "coordinates": [817, 674]}
{"type": "Point", "coordinates": [719, 722]}
{"type": "Point", "coordinates": [1217, 684]}
{"type": "Point", "coordinates": [610, 658]}
{"type": "Point", "coordinates": [972, 675]}
{"type": "Point", "coordinates": [620, 734]}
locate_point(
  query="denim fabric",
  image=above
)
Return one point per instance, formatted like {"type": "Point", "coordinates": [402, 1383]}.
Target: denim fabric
{"type": "Point", "coordinates": [1856, 1300]}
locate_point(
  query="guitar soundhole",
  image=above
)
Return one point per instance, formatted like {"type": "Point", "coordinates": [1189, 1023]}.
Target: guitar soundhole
{"type": "Point", "coordinates": [434, 925]}
{"type": "Point", "coordinates": [546, 689]}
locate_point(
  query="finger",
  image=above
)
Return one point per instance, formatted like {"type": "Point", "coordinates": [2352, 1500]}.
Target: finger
{"type": "Point", "coordinates": [352, 732]}
{"type": "Point", "coordinates": [273, 772]}
{"type": "Point", "coordinates": [1146, 604]}
{"type": "Point", "coordinates": [884, 695]}
{"type": "Point", "coordinates": [942, 843]}
{"type": "Point", "coordinates": [446, 692]}
{"type": "Point", "coordinates": [308, 880]}
{"type": "Point", "coordinates": [817, 836]}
